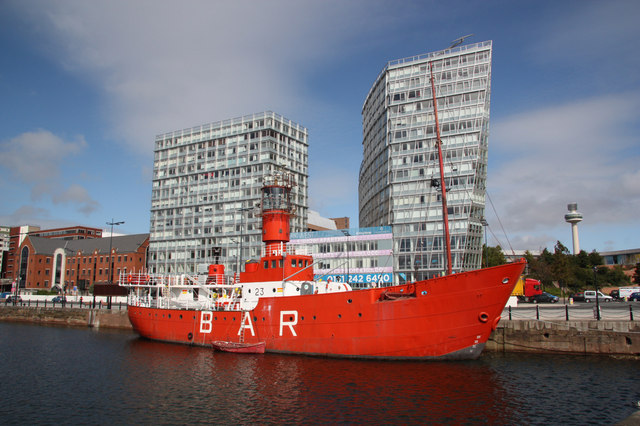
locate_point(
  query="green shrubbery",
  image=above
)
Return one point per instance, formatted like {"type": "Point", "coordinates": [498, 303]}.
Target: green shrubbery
{"type": "Point", "coordinates": [571, 273]}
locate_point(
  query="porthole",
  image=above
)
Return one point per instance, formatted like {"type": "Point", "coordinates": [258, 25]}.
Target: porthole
{"type": "Point", "coordinates": [505, 280]}
{"type": "Point", "coordinates": [359, 314]}
{"type": "Point", "coordinates": [169, 316]}
{"type": "Point", "coordinates": [339, 315]}
{"type": "Point", "coordinates": [273, 290]}
{"type": "Point", "coordinates": [255, 319]}
{"type": "Point", "coordinates": [180, 316]}
{"type": "Point", "coordinates": [349, 301]}
{"type": "Point", "coordinates": [314, 317]}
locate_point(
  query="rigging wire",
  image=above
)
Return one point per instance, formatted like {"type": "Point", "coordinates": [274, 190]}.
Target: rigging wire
{"type": "Point", "coordinates": [500, 222]}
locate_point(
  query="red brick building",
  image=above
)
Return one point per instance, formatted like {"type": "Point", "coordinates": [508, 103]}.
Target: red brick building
{"type": "Point", "coordinates": [69, 233]}
{"type": "Point", "coordinates": [75, 265]}
{"type": "Point", "coordinates": [17, 234]}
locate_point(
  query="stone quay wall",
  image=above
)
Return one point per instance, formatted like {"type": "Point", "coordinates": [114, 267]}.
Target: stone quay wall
{"type": "Point", "coordinates": [74, 317]}
{"type": "Point", "coordinates": [574, 337]}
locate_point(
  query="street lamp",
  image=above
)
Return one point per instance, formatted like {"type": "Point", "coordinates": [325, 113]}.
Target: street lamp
{"type": "Point", "coordinates": [110, 247]}
{"type": "Point", "coordinates": [595, 283]}
{"type": "Point", "coordinates": [244, 210]}
{"type": "Point", "coordinates": [484, 223]}
{"type": "Point", "coordinates": [346, 234]}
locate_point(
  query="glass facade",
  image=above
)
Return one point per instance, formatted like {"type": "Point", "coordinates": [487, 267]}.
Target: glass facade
{"type": "Point", "coordinates": [206, 190]}
{"type": "Point", "coordinates": [399, 175]}
{"type": "Point", "coordinates": [360, 256]}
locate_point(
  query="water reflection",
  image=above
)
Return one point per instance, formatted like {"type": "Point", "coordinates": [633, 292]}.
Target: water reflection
{"type": "Point", "coordinates": [57, 375]}
{"type": "Point", "coordinates": [278, 388]}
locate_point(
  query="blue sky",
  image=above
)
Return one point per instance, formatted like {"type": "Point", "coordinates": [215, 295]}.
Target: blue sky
{"type": "Point", "coordinates": [85, 86]}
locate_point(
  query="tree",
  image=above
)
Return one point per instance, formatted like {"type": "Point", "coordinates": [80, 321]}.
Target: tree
{"type": "Point", "coordinates": [493, 256]}
{"type": "Point", "coordinates": [541, 268]}
{"type": "Point", "coordinates": [616, 276]}
{"type": "Point", "coordinates": [571, 272]}
{"type": "Point", "coordinates": [636, 274]}
{"type": "Point", "coordinates": [595, 259]}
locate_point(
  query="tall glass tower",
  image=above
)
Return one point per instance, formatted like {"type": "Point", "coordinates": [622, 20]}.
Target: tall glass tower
{"type": "Point", "coordinates": [399, 176]}
{"type": "Point", "coordinates": [206, 190]}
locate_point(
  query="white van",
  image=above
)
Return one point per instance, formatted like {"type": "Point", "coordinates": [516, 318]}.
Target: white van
{"type": "Point", "coordinates": [590, 296]}
{"type": "Point", "coordinates": [625, 292]}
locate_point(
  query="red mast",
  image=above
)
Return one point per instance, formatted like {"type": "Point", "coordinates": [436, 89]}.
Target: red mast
{"type": "Point", "coordinates": [443, 189]}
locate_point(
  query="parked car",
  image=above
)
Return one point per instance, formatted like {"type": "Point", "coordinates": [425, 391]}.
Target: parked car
{"type": "Point", "coordinates": [544, 298]}
{"type": "Point", "coordinates": [578, 297]}
{"type": "Point", "coordinates": [590, 296]}
{"type": "Point", "coordinates": [59, 299]}
{"type": "Point", "coordinates": [635, 297]}
{"type": "Point", "coordinates": [12, 298]}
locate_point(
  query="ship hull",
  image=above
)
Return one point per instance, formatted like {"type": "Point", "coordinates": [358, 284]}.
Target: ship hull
{"type": "Point", "coordinates": [443, 318]}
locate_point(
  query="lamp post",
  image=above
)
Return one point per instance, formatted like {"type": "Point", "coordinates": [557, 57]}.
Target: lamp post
{"type": "Point", "coordinates": [346, 234]}
{"type": "Point", "coordinates": [244, 210]}
{"type": "Point", "coordinates": [110, 263]}
{"type": "Point", "coordinates": [238, 243]}
{"type": "Point", "coordinates": [110, 248]}
{"type": "Point", "coordinates": [595, 283]}
{"type": "Point", "coordinates": [484, 223]}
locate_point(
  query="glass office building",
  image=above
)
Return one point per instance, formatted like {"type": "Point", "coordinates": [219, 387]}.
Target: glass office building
{"type": "Point", "coordinates": [360, 256]}
{"type": "Point", "coordinates": [206, 190]}
{"type": "Point", "coordinates": [399, 175]}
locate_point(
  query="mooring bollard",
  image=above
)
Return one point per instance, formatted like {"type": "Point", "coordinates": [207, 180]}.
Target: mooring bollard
{"type": "Point", "coordinates": [509, 312]}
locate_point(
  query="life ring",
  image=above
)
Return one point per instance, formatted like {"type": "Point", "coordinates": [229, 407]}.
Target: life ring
{"type": "Point", "coordinates": [483, 317]}
{"type": "Point", "coordinates": [129, 278]}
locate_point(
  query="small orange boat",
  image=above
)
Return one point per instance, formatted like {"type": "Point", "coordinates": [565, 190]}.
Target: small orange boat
{"type": "Point", "coordinates": [238, 347]}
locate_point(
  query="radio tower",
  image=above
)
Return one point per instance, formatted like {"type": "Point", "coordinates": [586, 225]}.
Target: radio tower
{"type": "Point", "coordinates": [573, 217]}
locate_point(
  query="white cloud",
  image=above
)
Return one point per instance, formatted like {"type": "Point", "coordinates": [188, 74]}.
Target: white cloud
{"type": "Point", "coordinates": [35, 158]}
{"type": "Point", "coordinates": [26, 215]}
{"type": "Point", "coordinates": [77, 195]}
{"type": "Point", "coordinates": [164, 65]}
{"type": "Point", "coordinates": [585, 152]}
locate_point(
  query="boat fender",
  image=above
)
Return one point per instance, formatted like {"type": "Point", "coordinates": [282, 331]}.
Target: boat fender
{"type": "Point", "coordinates": [190, 336]}
{"type": "Point", "coordinates": [483, 317]}
{"type": "Point", "coordinates": [495, 324]}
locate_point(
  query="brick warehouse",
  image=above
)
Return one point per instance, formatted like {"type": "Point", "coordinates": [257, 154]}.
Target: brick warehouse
{"type": "Point", "coordinates": [75, 265]}
{"type": "Point", "coordinates": [15, 236]}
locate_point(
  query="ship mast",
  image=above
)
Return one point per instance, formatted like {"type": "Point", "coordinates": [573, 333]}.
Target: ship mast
{"type": "Point", "coordinates": [443, 190]}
